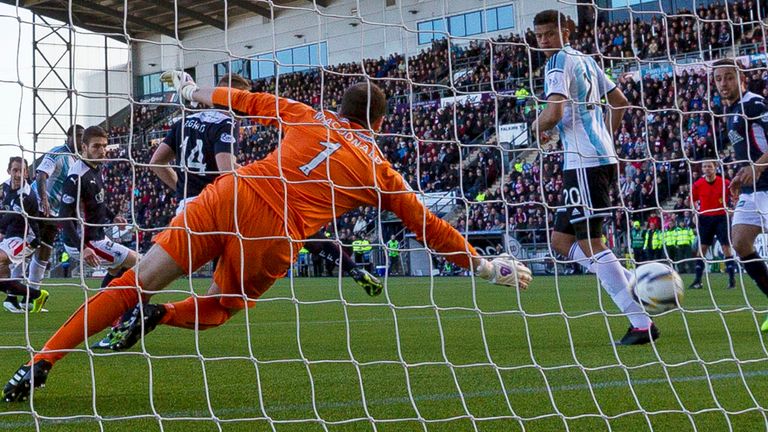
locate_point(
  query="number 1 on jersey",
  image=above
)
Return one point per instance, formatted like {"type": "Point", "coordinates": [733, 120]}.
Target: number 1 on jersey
{"type": "Point", "coordinates": [330, 148]}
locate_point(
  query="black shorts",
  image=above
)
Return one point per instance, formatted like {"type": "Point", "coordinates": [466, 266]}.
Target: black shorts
{"type": "Point", "coordinates": [586, 198]}
{"type": "Point", "coordinates": [711, 227]}
{"type": "Point", "coordinates": [48, 229]}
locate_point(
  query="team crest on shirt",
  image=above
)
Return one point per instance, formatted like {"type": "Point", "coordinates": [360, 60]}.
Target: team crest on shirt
{"type": "Point", "coordinates": [67, 199]}
{"type": "Point", "coordinates": [99, 197]}
{"type": "Point", "coordinates": [553, 80]}
{"type": "Point", "coordinates": [227, 138]}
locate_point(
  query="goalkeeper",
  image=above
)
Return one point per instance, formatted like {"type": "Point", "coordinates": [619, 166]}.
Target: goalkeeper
{"type": "Point", "coordinates": [326, 165]}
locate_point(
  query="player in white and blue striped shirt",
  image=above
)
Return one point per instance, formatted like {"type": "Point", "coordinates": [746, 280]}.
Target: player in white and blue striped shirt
{"type": "Point", "coordinates": [574, 87]}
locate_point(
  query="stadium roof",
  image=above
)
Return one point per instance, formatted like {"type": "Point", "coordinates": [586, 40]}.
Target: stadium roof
{"type": "Point", "coordinates": [155, 16]}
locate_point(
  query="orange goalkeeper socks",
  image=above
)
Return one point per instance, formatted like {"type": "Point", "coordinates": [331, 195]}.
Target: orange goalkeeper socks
{"type": "Point", "coordinates": [103, 309]}
{"type": "Point", "coordinates": [208, 313]}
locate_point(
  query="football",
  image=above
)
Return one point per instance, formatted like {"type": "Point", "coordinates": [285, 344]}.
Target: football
{"type": "Point", "coordinates": [657, 287]}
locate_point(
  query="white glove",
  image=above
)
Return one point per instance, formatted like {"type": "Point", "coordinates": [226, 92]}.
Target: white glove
{"type": "Point", "coordinates": [505, 270]}
{"type": "Point", "coordinates": [182, 82]}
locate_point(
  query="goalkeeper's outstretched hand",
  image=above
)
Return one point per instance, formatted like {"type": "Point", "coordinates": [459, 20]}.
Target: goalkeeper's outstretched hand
{"type": "Point", "coordinates": [505, 270]}
{"type": "Point", "coordinates": [182, 82]}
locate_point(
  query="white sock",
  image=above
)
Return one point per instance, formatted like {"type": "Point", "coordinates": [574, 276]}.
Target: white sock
{"type": "Point", "coordinates": [577, 254]}
{"type": "Point", "coordinates": [17, 272]}
{"type": "Point", "coordinates": [36, 271]}
{"type": "Point", "coordinates": [612, 277]}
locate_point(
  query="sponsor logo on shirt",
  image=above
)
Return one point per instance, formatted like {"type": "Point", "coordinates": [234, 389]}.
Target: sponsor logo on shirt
{"type": "Point", "coordinates": [735, 137]}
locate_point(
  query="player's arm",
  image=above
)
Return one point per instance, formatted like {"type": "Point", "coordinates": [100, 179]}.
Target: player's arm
{"type": "Point", "coordinates": [160, 161]}
{"type": "Point", "coordinates": [29, 204]}
{"type": "Point", "coordinates": [757, 112]}
{"type": "Point", "coordinates": [47, 166]}
{"type": "Point", "coordinates": [617, 104]}
{"type": "Point", "coordinates": [557, 93]}
{"type": "Point", "coordinates": [695, 195]}
{"type": "Point", "coordinates": [749, 174]}
{"type": "Point", "coordinates": [550, 116]}
{"type": "Point", "coordinates": [439, 235]}
{"type": "Point", "coordinates": [269, 109]}
{"type": "Point", "coordinates": [68, 212]}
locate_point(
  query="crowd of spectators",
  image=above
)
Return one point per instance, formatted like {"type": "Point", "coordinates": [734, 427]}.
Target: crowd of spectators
{"type": "Point", "coordinates": [711, 27]}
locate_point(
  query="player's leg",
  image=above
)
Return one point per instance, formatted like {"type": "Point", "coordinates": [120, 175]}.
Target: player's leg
{"type": "Point", "coordinates": [744, 237]}
{"type": "Point", "coordinates": [116, 257]}
{"type": "Point", "coordinates": [333, 253]}
{"type": "Point", "coordinates": [39, 261]}
{"type": "Point", "coordinates": [16, 303]}
{"type": "Point", "coordinates": [723, 236]}
{"type": "Point", "coordinates": [177, 251]}
{"type": "Point", "coordinates": [730, 265]}
{"type": "Point", "coordinates": [13, 251]}
{"type": "Point", "coordinates": [102, 309]}
{"type": "Point", "coordinates": [701, 252]}
{"type": "Point", "coordinates": [707, 230]}
{"type": "Point", "coordinates": [749, 221]}
{"type": "Point", "coordinates": [248, 266]}
{"type": "Point", "coordinates": [612, 276]}
{"type": "Point", "coordinates": [11, 302]}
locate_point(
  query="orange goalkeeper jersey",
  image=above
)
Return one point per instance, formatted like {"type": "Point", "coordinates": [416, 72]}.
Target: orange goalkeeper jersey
{"type": "Point", "coordinates": [325, 166]}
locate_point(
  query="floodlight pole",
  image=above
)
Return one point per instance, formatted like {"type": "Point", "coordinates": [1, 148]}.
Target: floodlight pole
{"type": "Point", "coordinates": [53, 85]}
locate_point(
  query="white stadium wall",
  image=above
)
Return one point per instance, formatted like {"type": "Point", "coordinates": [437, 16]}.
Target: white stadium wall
{"type": "Point", "coordinates": [392, 29]}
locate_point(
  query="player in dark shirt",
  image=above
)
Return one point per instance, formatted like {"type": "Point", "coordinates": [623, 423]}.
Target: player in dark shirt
{"type": "Point", "coordinates": [20, 238]}
{"type": "Point", "coordinates": [84, 194]}
{"type": "Point", "coordinates": [201, 146]}
{"type": "Point", "coordinates": [747, 122]}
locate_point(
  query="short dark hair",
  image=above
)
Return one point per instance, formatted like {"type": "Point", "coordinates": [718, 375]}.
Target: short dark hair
{"type": "Point", "coordinates": [235, 81]}
{"type": "Point", "coordinates": [727, 62]}
{"type": "Point", "coordinates": [93, 132]}
{"type": "Point", "coordinates": [364, 103]}
{"type": "Point", "coordinates": [73, 130]}
{"type": "Point", "coordinates": [74, 127]}
{"type": "Point", "coordinates": [550, 16]}
{"type": "Point", "coordinates": [18, 159]}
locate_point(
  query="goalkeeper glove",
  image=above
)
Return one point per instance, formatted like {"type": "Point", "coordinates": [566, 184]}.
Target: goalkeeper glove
{"type": "Point", "coordinates": [505, 270]}
{"type": "Point", "coordinates": [182, 82]}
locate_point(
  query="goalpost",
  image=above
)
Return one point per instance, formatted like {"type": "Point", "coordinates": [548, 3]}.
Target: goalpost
{"type": "Point", "coordinates": [440, 349]}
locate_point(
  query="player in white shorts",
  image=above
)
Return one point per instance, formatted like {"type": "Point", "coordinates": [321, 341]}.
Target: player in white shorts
{"type": "Point", "coordinates": [574, 85]}
{"type": "Point", "coordinates": [746, 117]}
{"type": "Point", "coordinates": [84, 194]}
{"type": "Point", "coordinates": [20, 239]}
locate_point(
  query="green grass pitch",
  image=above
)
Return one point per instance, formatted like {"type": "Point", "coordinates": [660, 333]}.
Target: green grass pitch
{"type": "Point", "coordinates": [435, 354]}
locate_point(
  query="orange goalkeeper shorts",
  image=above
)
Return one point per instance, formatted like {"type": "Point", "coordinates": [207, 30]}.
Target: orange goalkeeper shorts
{"type": "Point", "coordinates": [253, 249]}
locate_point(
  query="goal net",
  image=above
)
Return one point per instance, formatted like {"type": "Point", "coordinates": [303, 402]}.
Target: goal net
{"type": "Point", "coordinates": [439, 349]}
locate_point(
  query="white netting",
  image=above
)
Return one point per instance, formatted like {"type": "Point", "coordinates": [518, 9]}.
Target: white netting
{"type": "Point", "coordinates": [438, 350]}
